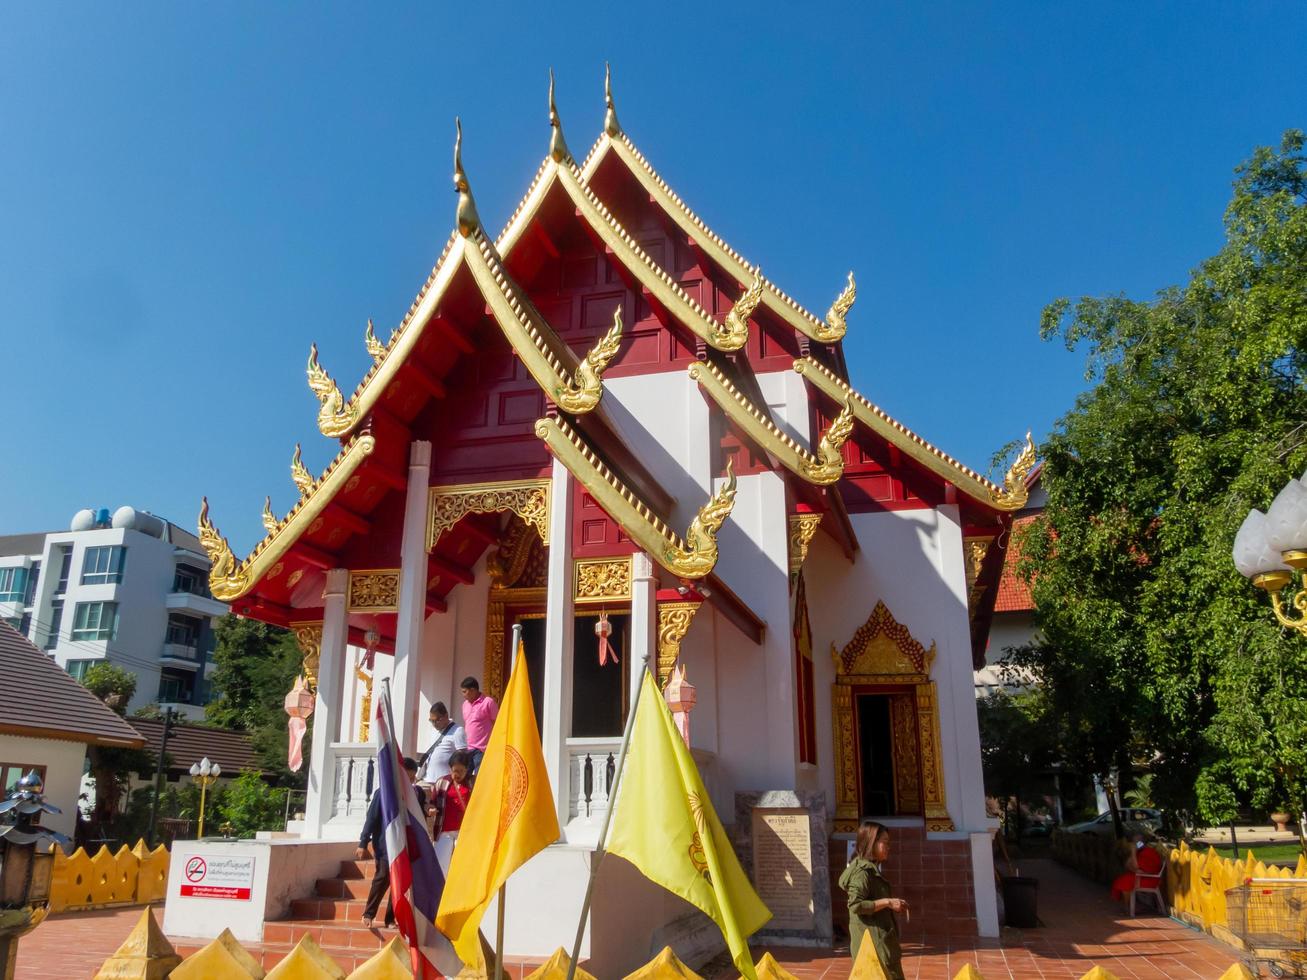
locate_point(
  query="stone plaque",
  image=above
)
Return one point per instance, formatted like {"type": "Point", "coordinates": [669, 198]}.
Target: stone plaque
{"type": "Point", "coordinates": [782, 866]}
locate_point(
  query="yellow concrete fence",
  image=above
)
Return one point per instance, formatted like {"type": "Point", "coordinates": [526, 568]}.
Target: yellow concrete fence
{"type": "Point", "coordinates": [147, 955]}
{"type": "Point", "coordinates": [132, 876]}
{"type": "Point", "coordinates": [1197, 881]}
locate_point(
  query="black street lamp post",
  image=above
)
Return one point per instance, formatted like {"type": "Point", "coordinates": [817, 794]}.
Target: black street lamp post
{"type": "Point", "coordinates": [26, 861]}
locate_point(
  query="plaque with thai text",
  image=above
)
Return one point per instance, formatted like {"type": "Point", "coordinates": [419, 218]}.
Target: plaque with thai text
{"type": "Point", "coordinates": [782, 866]}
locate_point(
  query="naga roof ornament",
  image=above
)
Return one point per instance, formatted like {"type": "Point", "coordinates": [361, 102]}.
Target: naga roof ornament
{"type": "Point", "coordinates": [468, 219]}
{"type": "Point", "coordinates": [693, 556]}
{"type": "Point", "coordinates": [558, 150]}
{"type": "Point", "coordinates": [823, 468]}
{"type": "Point", "coordinates": [299, 472]}
{"type": "Point", "coordinates": [611, 126]}
{"type": "Point", "coordinates": [226, 578]}
{"type": "Point", "coordinates": [269, 518]}
{"type": "Point", "coordinates": [834, 327]}
{"type": "Point", "coordinates": [376, 349]}
{"type": "Point", "coordinates": [335, 417]}
{"type": "Point", "coordinates": [1015, 491]}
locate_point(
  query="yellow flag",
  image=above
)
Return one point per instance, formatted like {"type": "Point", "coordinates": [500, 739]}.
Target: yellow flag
{"type": "Point", "coordinates": [665, 825]}
{"type": "Point", "coordinates": [510, 817]}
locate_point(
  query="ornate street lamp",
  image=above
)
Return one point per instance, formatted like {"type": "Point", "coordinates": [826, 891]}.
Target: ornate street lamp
{"type": "Point", "coordinates": [205, 773]}
{"type": "Point", "coordinates": [26, 861]}
{"type": "Point", "coordinates": [1270, 548]}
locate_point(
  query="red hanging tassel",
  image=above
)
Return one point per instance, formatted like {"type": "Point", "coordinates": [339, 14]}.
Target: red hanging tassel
{"type": "Point", "coordinates": [603, 630]}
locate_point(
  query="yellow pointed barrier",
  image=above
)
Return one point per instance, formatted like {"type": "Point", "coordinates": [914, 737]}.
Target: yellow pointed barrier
{"type": "Point", "coordinates": [152, 872]}
{"type": "Point", "coordinates": [768, 969]}
{"type": "Point", "coordinates": [867, 965]}
{"type": "Point", "coordinates": [1098, 973]}
{"type": "Point", "coordinates": [222, 959]}
{"type": "Point", "coordinates": [555, 968]}
{"type": "Point", "coordinates": [1237, 971]}
{"type": "Point", "coordinates": [307, 961]}
{"type": "Point", "coordinates": [145, 954]}
{"type": "Point", "coordinates": [391, 962]}
{"type": "Point", "coordinates": [968, 972]}
{"type": "Point", "coordinates": [665, 966]}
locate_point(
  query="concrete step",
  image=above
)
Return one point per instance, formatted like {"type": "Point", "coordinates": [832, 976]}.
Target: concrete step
{"type": "Point", "coordinates": [357, 869]}
{"type": "Point", "coordinates": [343, 887]}
{"type": "Point", "coordinates": [330, 909]}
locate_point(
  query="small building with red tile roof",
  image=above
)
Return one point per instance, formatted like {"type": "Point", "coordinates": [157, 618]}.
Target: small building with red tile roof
{"type": "Point", "coordinates": [47, 720]}
{"type": "Point", "coordinates": [1013, 623]}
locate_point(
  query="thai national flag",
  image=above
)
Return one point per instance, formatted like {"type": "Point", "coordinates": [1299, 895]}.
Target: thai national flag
{"type": "Point", "coordinates": [416, 881]}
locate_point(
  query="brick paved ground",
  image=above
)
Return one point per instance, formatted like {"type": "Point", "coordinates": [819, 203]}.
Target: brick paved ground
{"type": "Point", "coordinates": [1082, 928]}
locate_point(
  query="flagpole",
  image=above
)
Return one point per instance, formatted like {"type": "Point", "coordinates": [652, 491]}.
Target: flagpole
{"type": "Point", "coordinates": [503, 889]}
{"type": "Point", "coordinates": [608, 816]}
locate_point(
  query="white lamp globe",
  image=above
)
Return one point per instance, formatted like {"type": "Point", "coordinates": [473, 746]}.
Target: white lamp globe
{"type": "Point", "coordinates": [1286, 519]}
{"type": "Point", "coordinates": [195, 768]}
{"type": "Point", "coordinates": [1253, 555]}
{"type": "Point", "coordinates": [216, 771]}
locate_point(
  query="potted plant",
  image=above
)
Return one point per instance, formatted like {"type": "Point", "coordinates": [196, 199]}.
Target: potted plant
{"type": "Point", "coordinates": [1281, 819]}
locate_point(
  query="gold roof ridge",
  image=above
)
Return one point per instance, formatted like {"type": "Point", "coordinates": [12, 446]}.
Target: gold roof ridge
{"type": "Point", "coordinates": [1011, 496]}
{"type": "Point", "coordinates": [736, 264]}
{"type": "Point", "coordinates": [693, 556]}
{"type": "Point", "coordinates": [230, 579]}
{"type": "Point", "coordinates": [823, 468]}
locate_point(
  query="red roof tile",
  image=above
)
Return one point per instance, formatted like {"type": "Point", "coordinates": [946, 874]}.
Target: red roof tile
{"type": "Point", "coordinates": [188, 744]}
{"type": "Point", "coordinates": [1013, 592]}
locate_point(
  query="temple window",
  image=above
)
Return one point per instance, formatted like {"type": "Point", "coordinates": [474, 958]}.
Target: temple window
{"type": "Point", "coordinates": [599, 693]}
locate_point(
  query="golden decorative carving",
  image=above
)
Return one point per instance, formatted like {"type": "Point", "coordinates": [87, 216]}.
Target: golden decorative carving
{"type": "Point", "coordinates": [226, 577]}
{"type": "Point", "coordinates": [269, 518]}
{"type": "Point", "coordinates": [735, 329]}
{"type": "Point", "coordinates": [884, 653]}
{"type": "Point", "coordinates": [558, 151]}
{"type": "Point", "coordinates": [602, 579]}
{"type": "Point", "coordinates": [309, 638]}
{"type": "Point", "coordinates": [507, 562]}
{"type": "Point", "coordinates": [335, 418]}
{"type": "Point", "coordinates": [907, 763]}
{"type": "Point", "coordinates": [974, 552]}
{"type": "Point", "coordinates": [365, 703]}
{"type": "Point", "coordinates": [1015, 493]}
{"type": "Point", "coordinates": [966, 480]}
{"type": "Point", "coordinates": [826, 467]}
{"type": "Point", "coordinates": [583, 395]}
{"type": "Point", "coordinates": [493, 677]}
{"type": "Point", "coordinates": [276, 569]}
{"type": "Point", "coordinates": [835, 327]}
{"type": "Point", "coordinates": [374, 590]}
{"type": "Point", "coordinates": [293, 579]}
{"type": "Point", "coordinates": [528, 499]}
{"type": "Point", "coordinates": [674, 620]}
{"type": "Point", "coordinates": [802, 528]}
{"type": "Point", "coordinates": [299, 472]}
{"type": "Point", "coordinates": [466, 215]}
{"type": "Point", "coordinates": [376, 349]}
{"type": "Point", "coordinates": [693, 557]}
{"type": "Point", "coordinates": [611, 126]}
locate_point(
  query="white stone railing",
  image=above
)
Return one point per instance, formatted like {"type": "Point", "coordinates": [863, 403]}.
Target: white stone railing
{"type": "Point", "coordinates": [590, 764]}
{"type": "Point", "coordinates": [354, 766]}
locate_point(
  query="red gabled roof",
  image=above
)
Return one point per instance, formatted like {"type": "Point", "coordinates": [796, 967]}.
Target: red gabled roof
{"type": "Point", "coordinates": [1013, 592]}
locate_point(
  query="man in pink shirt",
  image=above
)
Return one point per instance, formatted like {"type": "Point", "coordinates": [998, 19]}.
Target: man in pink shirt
{"type": "Point", "coordinates": [479, 714]}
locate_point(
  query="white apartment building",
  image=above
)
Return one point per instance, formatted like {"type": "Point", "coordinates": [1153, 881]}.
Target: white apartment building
{"type": "Point", "coordinates": [132, 589]}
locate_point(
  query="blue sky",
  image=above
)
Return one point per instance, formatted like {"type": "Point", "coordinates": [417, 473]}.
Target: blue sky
{"type": "Point", "coordinates": [190, 194]}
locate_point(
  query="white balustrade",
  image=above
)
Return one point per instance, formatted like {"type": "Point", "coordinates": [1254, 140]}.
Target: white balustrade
{"type": "Point", "coordinates": [354, 765]}
{"type": "Point", "coordinates": [591, 763]}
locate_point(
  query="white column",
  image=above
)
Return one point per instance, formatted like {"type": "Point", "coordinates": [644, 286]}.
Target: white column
{"type": "Point", "coordinates": [560, 627]}
{"type": "Point", "coordinates": [412, 596]}
{"type": "Point", "coordinates": [327, 710]}
{"type": "Point", "coordinates": [644, 617]}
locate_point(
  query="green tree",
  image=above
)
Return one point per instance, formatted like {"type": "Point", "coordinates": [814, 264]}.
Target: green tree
{"type": "Point", "coordinates": [1153, 643]}
{"type": "Point", "coordinates": [255, 666]}
{"type": "Point", "coordinates": [249, 806]}
{"type": "Point", "coordinates": [1018, 743]}
{"type": "Point", "coordinates": [112, 767]}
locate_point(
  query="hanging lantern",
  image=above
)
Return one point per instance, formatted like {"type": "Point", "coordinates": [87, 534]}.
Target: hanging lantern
{"type": "Point", "coordinates": [299, 705]}
{"type": "Point", "coordinates": [681, 698]}
{"type": "Point", "coordinates": [364, 670]}
{"type": "Point", "coordinates": [603, 630]}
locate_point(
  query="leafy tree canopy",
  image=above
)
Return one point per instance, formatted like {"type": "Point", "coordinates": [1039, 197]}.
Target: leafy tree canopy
{"type": "Point", "coordinates": [112, 685]}
{"type": "Point", "coordinates": [1155, 649]}
{"type": "Point", "coordinates": [256, 664]}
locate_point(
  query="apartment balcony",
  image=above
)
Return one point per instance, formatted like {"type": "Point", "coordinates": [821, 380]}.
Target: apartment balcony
{"type": "Point", "coordinates": [199, 605]}
{"type": "Point", "coordinates": [181, 655]}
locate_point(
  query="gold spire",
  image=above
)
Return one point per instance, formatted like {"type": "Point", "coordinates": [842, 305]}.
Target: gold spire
{"type": "Point", "coordinates": [376, 349]}
{"type": "Point", "coordinates": [587, 387]}
{"type": "Point", "coordinates": [299, 472]}
{"type": "Point", "coordinates": [611, 126]}
{"type": "Point", "coordinates": [557, 145]}
{"type": "Point", "coordinates": [335, 418]}
{"type": "Point", "coordinates": [835, 325]}
{"type": "Point", "coordinates": [1015, 493]}
{"type": "Point", "coordinates": [737, 320]}
{"type": "Point", "coordinates": [469, 222]}
{"type": "Point", "coordinates": [225, 575]}
{"type": "Point", "coordinates": [269, 519]}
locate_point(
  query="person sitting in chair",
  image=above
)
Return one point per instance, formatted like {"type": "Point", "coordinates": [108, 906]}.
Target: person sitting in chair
{"type": "Point", "coordinates": [1142, 862]}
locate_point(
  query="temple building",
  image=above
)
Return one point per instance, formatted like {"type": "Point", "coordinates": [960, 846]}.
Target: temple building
{"type": "Point", "coordinates": [605, 413]}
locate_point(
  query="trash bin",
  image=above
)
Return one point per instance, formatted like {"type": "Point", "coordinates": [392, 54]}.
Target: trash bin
{"type": "Point", "coordinates": [1021, 901]}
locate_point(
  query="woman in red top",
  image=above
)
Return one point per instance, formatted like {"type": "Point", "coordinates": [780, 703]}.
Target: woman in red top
{"type": "Point", "coordinates": [450, 799]}
{"type": "Point", "coordinates": [1143, 862]}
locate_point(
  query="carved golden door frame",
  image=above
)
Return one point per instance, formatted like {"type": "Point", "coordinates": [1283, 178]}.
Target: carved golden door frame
{"type": "Point", "coordinates": [528, 499]}
{"type": "Point", "coordinates": [883, 654]}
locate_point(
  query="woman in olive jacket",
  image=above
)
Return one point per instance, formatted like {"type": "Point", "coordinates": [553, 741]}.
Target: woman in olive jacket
{"type": "Point", "coordinates": [871, 909]}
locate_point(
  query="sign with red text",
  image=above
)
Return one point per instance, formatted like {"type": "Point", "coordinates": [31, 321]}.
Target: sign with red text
{"type": "Point", "coordinates": [218, 877]}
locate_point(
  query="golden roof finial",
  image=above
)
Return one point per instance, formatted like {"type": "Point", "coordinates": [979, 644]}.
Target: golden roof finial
{"type": "Point", "coordinates": [1015, 492]}
{"type": "Point", "coordinates": [299, 472]}
{"type": "Point", "coordinates": [611, 126]}
{"type": "Point", "coordinates": [469, 222]}
{"type": "Point", "coordinates": [226, 579]}
{"type": "Point", "coordinates": [269, 519]}
{"type": "Point", "coordinates": [376, 349]}
{"type": "Point", "coordinates": [557, 145]}
{"type": "Point", "coordinates": [835, 322]}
